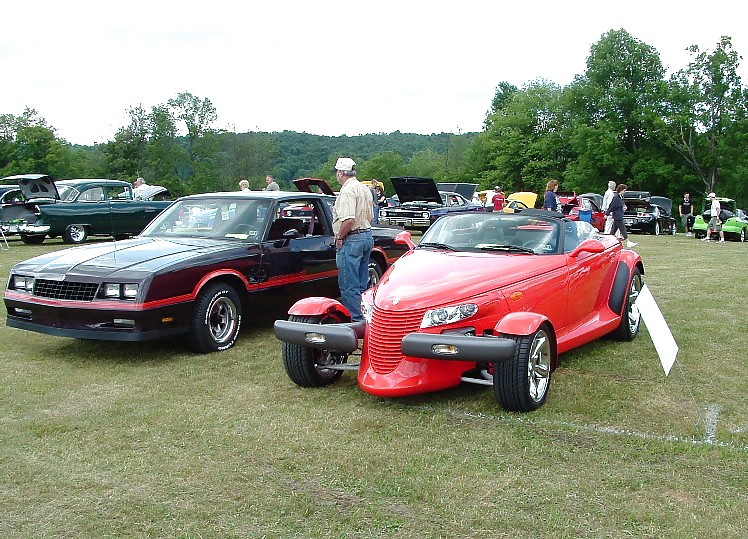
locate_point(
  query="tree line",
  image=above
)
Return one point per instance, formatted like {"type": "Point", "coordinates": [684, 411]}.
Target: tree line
{"type": "Point", "coordinates": [621, 120]}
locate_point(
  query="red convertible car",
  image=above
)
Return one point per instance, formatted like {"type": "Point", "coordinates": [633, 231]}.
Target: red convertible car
{"type": "Point", "coordinates": [488, 298]}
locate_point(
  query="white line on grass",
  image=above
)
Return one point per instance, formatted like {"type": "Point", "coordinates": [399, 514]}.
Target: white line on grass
{"type": "Point", "coordinates": [708, 440]}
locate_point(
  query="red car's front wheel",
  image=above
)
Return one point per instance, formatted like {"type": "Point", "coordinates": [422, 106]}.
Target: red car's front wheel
{"type": "Point", "coordinates": [521, 384]}
{"type": "Point", "coordinates": [306, 366]}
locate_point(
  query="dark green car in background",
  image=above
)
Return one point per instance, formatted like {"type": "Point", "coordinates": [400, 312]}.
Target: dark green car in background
{"type": "Point", "coordinates": [734, 220]}
{"type": "Point", "coordinates": [77, 209]}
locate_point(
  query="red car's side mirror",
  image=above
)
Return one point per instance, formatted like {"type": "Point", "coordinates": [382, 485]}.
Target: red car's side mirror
{"type": "Point", "coordinates": [403, 238]}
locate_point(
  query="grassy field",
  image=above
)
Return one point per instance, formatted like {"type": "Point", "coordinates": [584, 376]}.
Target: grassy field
{"type": "Point", "coordinates": [150, 440]}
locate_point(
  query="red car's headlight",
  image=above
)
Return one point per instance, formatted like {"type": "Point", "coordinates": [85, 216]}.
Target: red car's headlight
{"type": "Point", "coordinates": [448, 315]}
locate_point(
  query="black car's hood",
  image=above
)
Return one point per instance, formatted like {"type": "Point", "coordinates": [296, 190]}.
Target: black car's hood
{"type": "Point", "coordinates": [412, 189]}
{"type": "Point", "coordinates": [467, 190]}
{"type": "Point", "coordinates": [137, 257]}
{"type": "Point", "coordinates": [35, 186]}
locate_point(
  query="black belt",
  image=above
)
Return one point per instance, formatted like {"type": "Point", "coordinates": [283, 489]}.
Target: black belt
{"type": "Point", "coordinates": [359, 231]}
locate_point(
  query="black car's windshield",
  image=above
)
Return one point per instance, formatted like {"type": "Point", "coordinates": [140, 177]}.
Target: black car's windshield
{"type": "Point", "coordinates": [495, 232]}
{"type": "Point", "coordinates": [242, 219]}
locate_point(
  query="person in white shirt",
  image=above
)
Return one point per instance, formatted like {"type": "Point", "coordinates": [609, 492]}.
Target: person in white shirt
{"type": "Point", "coordinates": [715, 223]}
{"type": "Point", "coordinates": [607, 197]}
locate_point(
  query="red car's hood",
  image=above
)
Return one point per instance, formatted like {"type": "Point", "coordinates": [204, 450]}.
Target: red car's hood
{"type": "Point", "coordinates": [454, 276]}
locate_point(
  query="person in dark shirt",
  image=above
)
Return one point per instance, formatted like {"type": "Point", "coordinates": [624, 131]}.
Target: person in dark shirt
{"type": "Point", "coordinates": [686, 213]}
{"type": "Point", "coordinates": [616, 209]}
{"type": "Point", "coordinates": [550, 200]}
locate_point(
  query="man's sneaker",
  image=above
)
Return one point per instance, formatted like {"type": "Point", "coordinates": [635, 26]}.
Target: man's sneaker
{"type": "Point", "coordinates": [688, 234]}
{"type": "Point", "coordinates": [631, 244]}
{"type": "Point", "coordinates": [722, 240]}
{"type": "Point", "coordinates": [705, 239]}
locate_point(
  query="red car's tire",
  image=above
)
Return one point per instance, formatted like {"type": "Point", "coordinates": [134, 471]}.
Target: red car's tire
{"type": "Point", "coordinates": [630, 323]}
{"type": "Point", "coordinates": [522, 383]}
{"type": "Point", "coordinates": [304, 365]}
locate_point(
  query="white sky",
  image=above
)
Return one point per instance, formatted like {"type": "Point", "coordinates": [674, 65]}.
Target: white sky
{"type": "Point", "coordinates": [326, 67]}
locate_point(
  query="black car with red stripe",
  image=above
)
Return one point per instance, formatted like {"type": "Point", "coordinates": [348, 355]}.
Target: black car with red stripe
{"type": "Point", "coordinates": [194, 270]}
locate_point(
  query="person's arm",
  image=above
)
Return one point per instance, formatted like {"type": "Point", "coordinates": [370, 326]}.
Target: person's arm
{"type": "Point", "coordinates": [345, 228]}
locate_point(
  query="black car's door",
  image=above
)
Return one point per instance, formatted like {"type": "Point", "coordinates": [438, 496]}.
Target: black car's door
{"type": "Point", "coordinates": [298, 252]}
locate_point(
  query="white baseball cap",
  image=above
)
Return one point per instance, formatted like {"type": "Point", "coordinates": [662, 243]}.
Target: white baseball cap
{"type": "Point", "coordinates": [712, 195]}
{"type": "Point", "coordinates": [345, 164]}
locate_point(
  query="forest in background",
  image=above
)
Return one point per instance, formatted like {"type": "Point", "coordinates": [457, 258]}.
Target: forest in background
{"type": "Point", "coordinates": [622, 119]}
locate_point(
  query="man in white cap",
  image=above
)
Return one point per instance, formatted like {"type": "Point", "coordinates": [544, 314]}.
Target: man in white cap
{"type": "Point", "coordinates": [715, 223]}
{"type": "Point", "coordinates": [352, 215]}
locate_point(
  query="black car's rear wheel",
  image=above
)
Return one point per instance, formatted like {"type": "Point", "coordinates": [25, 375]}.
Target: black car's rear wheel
{"type": "Point", "coordinates": [628, 328]}
{"type": "Point", "coordinates": [656, 229]}
{"type": "Point", "coordinates": [75, 234]}
{"type": "Point", "coordinates": [673, 229]}
{"type": "Point", "coordinates": [306, 366]}
{"type": "Point", "coordinates": [216, 318]}
{"type": "Point", "coordinates": [375, 273]}
{"type": "Point", "coordinates": [32, 239]}
{"type": "Point", "coordinates": [521, 384]}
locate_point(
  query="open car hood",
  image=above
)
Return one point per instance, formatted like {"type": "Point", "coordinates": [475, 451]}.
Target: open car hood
{"type": "Point", "coordinates": [412, 189]}
{"type": "Point", "coordinates": [467, 190]}
{"type": "Point", "coordinates": [310, 185]}
{"type": "Point", "coordinates": [35, 186]}
{"type": "Point", "coordinates": [663, 202]}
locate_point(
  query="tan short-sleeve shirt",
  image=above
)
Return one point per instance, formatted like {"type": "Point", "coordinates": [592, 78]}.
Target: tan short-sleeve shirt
{"type": "Point", "coordinates": [353, 202]}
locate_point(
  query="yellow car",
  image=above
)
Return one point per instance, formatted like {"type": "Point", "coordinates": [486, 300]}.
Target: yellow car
{"type": "Point", "coordinates": [519, 201]}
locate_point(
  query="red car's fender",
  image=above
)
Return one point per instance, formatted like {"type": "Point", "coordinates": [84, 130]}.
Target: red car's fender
{"type": "Point", "coordinates": [319, 306]}
{"type": "Point", "coordinates": [520, 323]}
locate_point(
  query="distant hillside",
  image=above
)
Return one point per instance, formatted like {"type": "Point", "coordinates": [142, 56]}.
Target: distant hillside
{"type": "Point", "coordinates": [301, 154]}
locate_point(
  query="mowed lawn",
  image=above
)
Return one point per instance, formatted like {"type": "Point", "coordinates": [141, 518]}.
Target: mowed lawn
{"type": "Point", "coordinates": [101, 439]}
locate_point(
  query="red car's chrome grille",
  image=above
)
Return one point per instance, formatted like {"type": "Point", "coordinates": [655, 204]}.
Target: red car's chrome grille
{"type": "Point", "coordinates": [386, 332]}
{"type": "Point", "coordinates": [65, 290]}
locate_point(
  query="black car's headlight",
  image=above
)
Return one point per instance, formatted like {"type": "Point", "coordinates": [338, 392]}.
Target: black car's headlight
{"type": "Point", "coordinates": [448, 315]}
{"type": "Point", "coordinates": [120, 290]}
{"type": "Point", "coordinates": [23, 284]}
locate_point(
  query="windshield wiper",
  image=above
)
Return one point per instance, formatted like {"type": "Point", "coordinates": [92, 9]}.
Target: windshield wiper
{"type": "Point", "coordinates": [512, 248]}
{"type": "Point", "coordinates": [437, 246]}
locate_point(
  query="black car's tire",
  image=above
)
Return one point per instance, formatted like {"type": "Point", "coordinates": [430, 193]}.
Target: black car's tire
{"type": "Point", "coordinates": [32, 239]}
{"type": "Point", "coordinates": [375, 273]}
{"type": "Point", "coordinates": [628, 328]}
{"type": "Point", "coordinates": [216, 318]}
{"type": "Point", "coordinates": [673, 229]}
{"type": "Point", "coordinates": [656, 229]}
{"type": "Point", "coordinates": [120, 237]}
{"type": "Point", "coordinates": [521, 384]}
{"type": "Point", "coordinates": [75, 234]}
{"type": "Point", "coordinates": [305, 366]}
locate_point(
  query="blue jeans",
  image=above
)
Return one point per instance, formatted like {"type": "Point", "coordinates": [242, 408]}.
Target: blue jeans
{"type": "Point", "coordinates": [353, 270]}
{"type": "Point", "coordinates": [376, 215]}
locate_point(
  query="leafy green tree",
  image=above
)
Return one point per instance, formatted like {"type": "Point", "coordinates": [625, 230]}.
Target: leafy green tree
{"type": "Point", "coordinates": [382, 166]}
{"type": "Point", "coordinates": [522, 147]}
{"type": "Point", "coordinates": [427, 164]}
{"type": "Point", "coordinates": [704, 117]}
{"type": "Point", "coordinates": [127, 153]}
{"type": "Point", "coordinates": [611, 112]}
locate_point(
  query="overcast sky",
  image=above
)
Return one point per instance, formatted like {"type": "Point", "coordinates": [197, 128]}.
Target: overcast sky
{"type": "Point", "coordinates": [324, 67]}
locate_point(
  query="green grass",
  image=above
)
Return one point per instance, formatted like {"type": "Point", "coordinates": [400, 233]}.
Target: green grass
{"type": "Point", "coordinates": [151, 440]}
